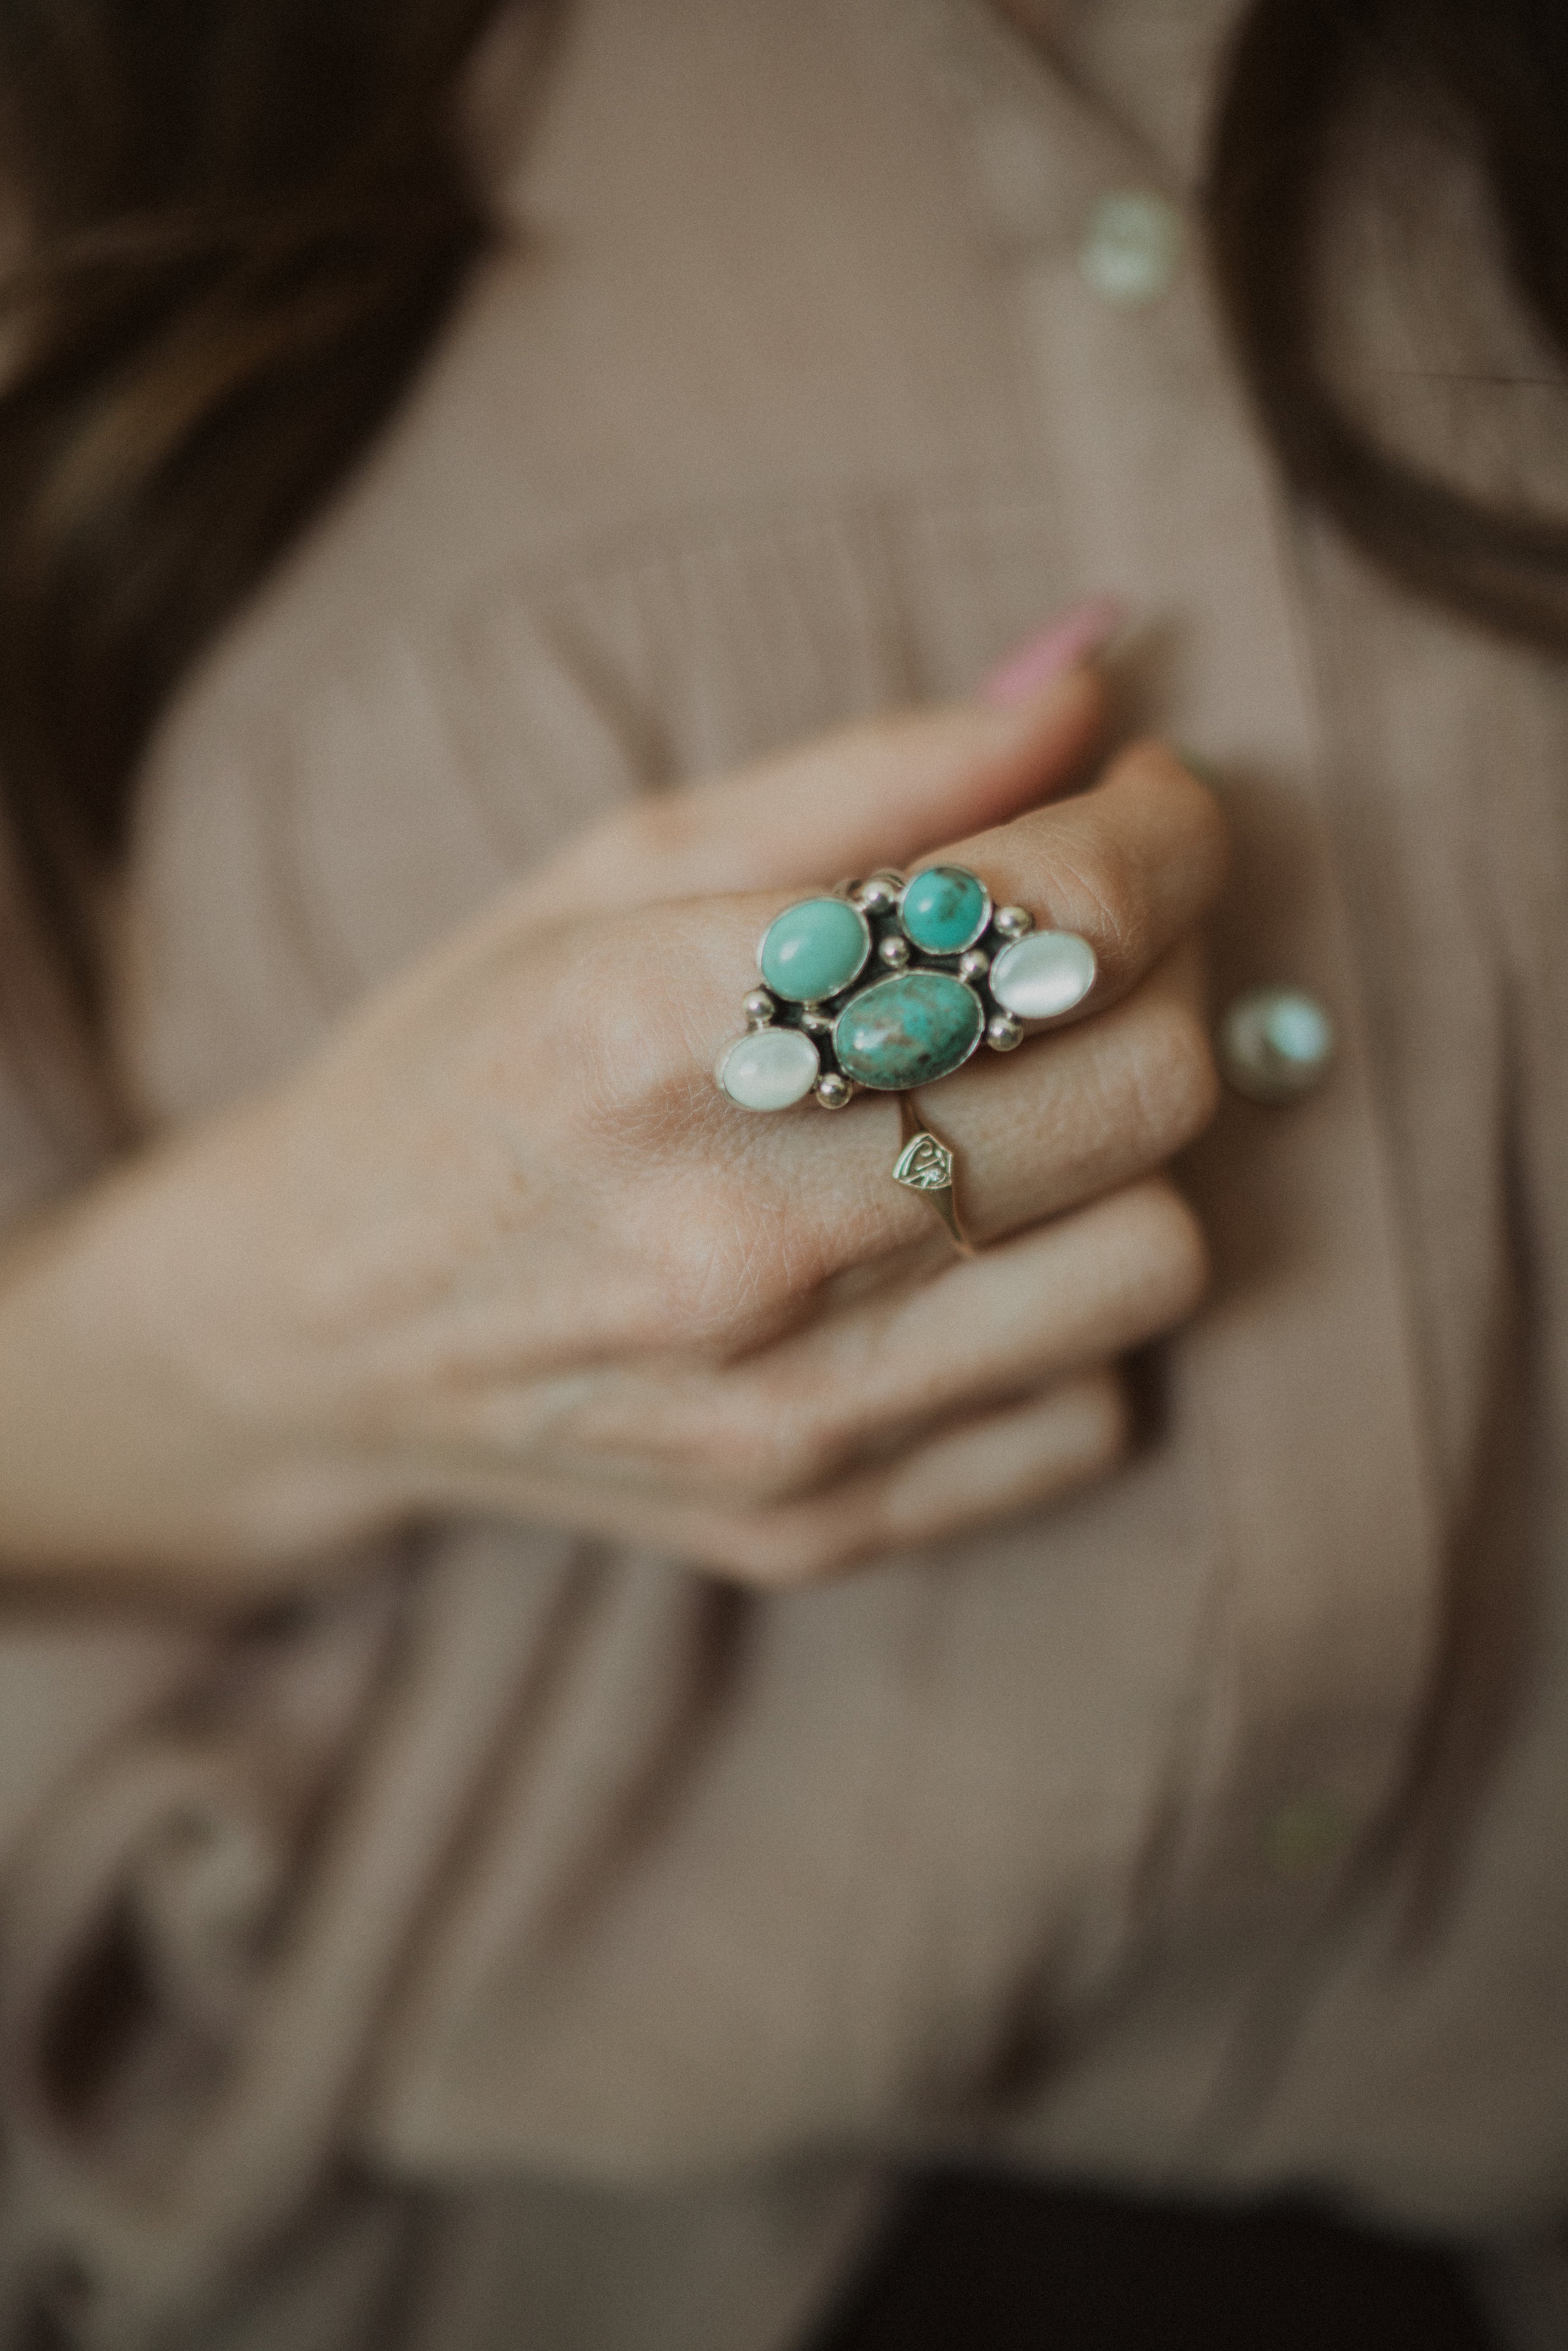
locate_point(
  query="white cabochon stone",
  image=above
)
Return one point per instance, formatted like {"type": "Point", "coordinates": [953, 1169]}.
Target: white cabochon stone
{"type": "Point", "coordinates": [1042, 975]}
{"type": "Point", "coordinates": [769, 1070]}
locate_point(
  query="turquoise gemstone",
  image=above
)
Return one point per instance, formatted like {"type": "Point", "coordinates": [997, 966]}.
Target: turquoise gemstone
{"type": "Point", "coordinates": [813, 949]}
{"type": "Point", "coordinates": [944, 909]}
{"type": "Point", "coordinates": [907, 1031]}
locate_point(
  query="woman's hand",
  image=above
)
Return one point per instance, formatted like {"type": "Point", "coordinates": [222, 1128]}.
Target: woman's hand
{"type": "Point", "coordinates": [502, 1246]}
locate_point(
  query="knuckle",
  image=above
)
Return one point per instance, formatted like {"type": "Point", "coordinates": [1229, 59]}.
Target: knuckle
{"type": "Point", "coordinates": [1174, 1250]}
{"type": "Point", "coordinates": [804, 1455]}
{"type": "Point", "coordinates": [1105, 1413]}
{"type": "Point", "coordinates": [773, 1455]}
{"type": "Point", "coordinates": [712, 1277]}
{"type": "Point", "coordinates": [660, 825]}
{"type": "Point", "coordinates": [609, 1044]}
{"type": "Point", "coordinates": [1189, 805]}
{"type": "Point", "coordinates": [814, 1416]}
{"type": "Point", "coordinates": [1210, 831]}
{"type": "Point", "coordinates": [712, 1259]}
{"type": "Point", "coordinates": [634, 1079]}
{"type": "Point", "coordinates": [783, 1554]}
{"type": "Point", "coordinates": [654, 840]}
{"type": "Point", "coordinates": [1151, 760]}
{"type": "Point", "coordinates": [1100, 893]}
{"type": "Point", "coordinates": [723, 1254]}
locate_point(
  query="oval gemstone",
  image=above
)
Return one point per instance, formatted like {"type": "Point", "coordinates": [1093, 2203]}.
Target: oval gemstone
{"type": "Point", "coordinates": [945, 908]}
{"type": "Point", "coordinates": [813, 948]}
{"type": "Point", "coordinates": [908, 1031]}
{"type": "Point", "coordinates": [769, 1070]}
{"type": "Point", "coordinates": [1043, 975]}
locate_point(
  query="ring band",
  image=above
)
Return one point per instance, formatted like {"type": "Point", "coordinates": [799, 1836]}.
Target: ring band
{"type": "Point", "coordinates": [926, 1164]}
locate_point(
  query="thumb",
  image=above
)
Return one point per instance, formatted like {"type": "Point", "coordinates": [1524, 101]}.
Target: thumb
{"type": "Point", "coordinates": [880, 794]}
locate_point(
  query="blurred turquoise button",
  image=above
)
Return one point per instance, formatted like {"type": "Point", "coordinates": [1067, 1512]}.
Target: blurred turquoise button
{"type": "Point", "coordinates": [1276, 1044]}
{"type": "Point", "coordinates": [1133, 246]}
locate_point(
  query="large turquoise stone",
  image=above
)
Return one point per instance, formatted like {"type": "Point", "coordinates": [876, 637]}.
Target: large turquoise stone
{"type": "Point", "coordinates": [907, 1031]}
{"type": "Point", "coordinates": [944, 909]}
{"type": "Point", "coordinates": [813, 949]}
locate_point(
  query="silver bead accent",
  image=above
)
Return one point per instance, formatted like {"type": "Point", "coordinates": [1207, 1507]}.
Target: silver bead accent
{"type": "Point", "coordinates": [893, 950]}
{"type": "Point", "coordinates": [759, 1008]}
{"type": "Point", "coordinates": [974, 965]}
{"type": "Point", "coordinates": [878, 896]}
{"type": "Point", "coordinates": [833, 1091]}
{"type": "Point", "coordinates": [817, 1022]}
{"type": "Point", "coordinates": [1012, 922]}
{"type": "Point", "coordinates": [1003, 1033]}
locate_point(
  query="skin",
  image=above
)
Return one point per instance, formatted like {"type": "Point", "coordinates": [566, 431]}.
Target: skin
{"type": "Point", "coordinates": [502, 1246]}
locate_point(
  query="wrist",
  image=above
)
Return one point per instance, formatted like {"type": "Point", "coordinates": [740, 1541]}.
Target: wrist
{"type": "Point", "coordinates": [163, 1413]}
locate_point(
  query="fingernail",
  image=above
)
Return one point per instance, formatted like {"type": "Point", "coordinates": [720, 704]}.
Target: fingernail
{"type": "Point", "coordinates": [1072, 637]}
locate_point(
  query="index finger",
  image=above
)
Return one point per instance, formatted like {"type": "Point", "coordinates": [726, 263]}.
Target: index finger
{"type": "Point", "coordinates": [1129, 865]}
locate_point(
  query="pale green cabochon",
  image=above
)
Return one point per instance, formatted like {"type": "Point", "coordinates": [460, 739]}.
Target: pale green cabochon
{"type": "Point", "coordinates": [1043, 975]}
{"type": "Point", "coordinates": [771, 1069]}
{"type": "Point", "coordinates": [813, 949]}
{"type": "Point", "coordinates": [908, 1031]}
{"type": "Point", "coordinates": [945, 908]}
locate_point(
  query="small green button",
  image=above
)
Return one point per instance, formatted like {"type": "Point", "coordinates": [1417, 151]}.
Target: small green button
{"type": "Point", "coordinates": [1132, 246]}
{"type": "Point", "coordinates": [1276, 1044]}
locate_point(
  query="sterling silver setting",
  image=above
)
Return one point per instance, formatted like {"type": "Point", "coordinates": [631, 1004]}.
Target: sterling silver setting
{"type": "Point", "coordinates": [879, 900]}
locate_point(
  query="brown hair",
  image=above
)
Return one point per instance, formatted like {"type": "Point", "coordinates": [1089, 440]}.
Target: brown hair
{"type": "Point", "coordinates": [244, 224]}
{"type": "Point", "coordinates": [241, 224]}
{"type": "Point", "coordinates": [1495, 73]}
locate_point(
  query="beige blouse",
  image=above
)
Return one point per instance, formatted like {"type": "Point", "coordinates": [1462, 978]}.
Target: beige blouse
{"type": "Point", "coordinates": [539, 1943]}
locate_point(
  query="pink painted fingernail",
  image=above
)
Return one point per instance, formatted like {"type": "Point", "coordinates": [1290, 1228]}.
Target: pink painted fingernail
{"type": "Point", "coordinates": [1072, 637]}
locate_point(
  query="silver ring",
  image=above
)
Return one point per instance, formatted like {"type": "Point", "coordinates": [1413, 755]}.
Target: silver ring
{"type": "Point", "coordinates": [926, 1164]}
